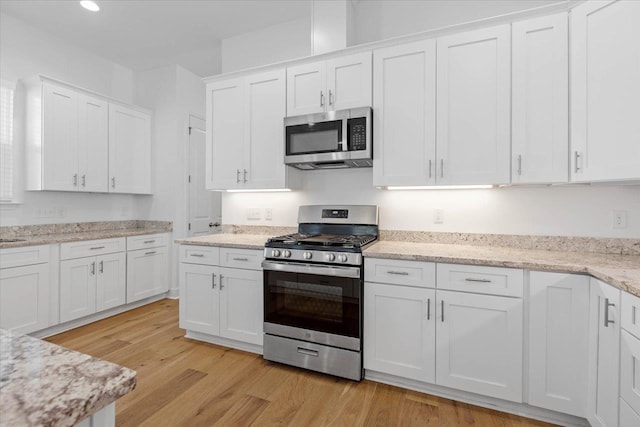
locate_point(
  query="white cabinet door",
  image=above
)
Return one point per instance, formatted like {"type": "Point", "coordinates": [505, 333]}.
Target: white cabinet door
{"type": "Point", "coordinates": [93, 146]}
{"type": "Point", "coordinates": [265, 108]}
{"type": "Point", "coordinates": [404, 104]}
{"type": "Point", "coordinates": [540, 122]}
{"type": "Point", "coordinates": [241, 305]}
{"type": "Point", "coordinates": [474, 104]}
{"type": "Point", "coordinates": [59, 138]}
{"type": "Point", "coordinates": [77, 288]}
{"type": "Point", "coordinates": [604, 352]}
{"type": "Point", "coordinates": [349, 81]}
{"type": "Point", "coordinates": [147, 273]}
{"type": "Point", "coordinates": [605, 91]}
{"type": "Point", "coordinates": [129, 150]}
{"type": "Point", "coordinates": [630, 370]}
{"type": "Point", "coordinates": [400, 331]}
{"type": "Point", "coordinates": [306, 92]}
{"type": "Point", "coordinates": [558, 342]}
{"type": "Point", "coordinates": [199, 298]}
{"type": "Point", "coordinates": [111, 281]}
{"type": "Point", "coordinates": [24, 298]}
{"type": "Point", "coordinates": [479, 344]}
{"type": "Point", "coordinates": [224, 148]}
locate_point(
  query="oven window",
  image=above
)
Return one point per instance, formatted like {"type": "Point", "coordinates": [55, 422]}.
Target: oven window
{"type": "Point", "coordinates": [319, 303]}
{"type": "Point", "coordinates": [316, 138]}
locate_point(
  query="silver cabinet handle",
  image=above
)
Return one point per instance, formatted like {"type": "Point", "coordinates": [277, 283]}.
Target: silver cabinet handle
{"type": "Point", "coordinates": [221, 285]}
{"type": "Point", "coordinates": [213, 280]}
{"type": "Point", "coordinates": [149, 241]}
{"type": "Point", "coordinates": [321, 99]}
{"type": "Point", "coordinates": [577, 157]}
{"type": "Point", "coordinates": [75, 179]}
{"type": "Point", "coordinates": [101, 266]}
{"type": "Point", "coordinates": [245, 175]}
{"type": "Point", "coordinates": [330, 98]}
{"type": "Point", "coordinates": [113, 182]}
{"type": "Point", "coordinates": [399, 273]}
{"type": "Point", "coordinates": [237, 176]}
{"type": "Point", "coordinates": [150, 253]}
{"type": "Point", "coordinates": [241, 259]}
{"type": "Point", "coordinates": [428, 308]}
{"type": "Point", "coordinates": [197, 255]}
{"type": "Point", "coordinates": [470, 279]}
{"type": "Point", "coordinates": [519, 164]}
{"type": "Point", "coordinates": [93, 268]}
{"type": "Point", "coordinates": [96, 248]}
{"type": "Point", "coordinates": [84, 180]}
{"type": "Point", "coordinates": [308, 352]}
{"type": "Point", "coordinates": [441, 168]}
{"type": "Point", "coordinates": [607, 304]}
{"type": "Point", "coordinates": [429, 168]}
{"type": "Point", "coordinates": [442, 310]}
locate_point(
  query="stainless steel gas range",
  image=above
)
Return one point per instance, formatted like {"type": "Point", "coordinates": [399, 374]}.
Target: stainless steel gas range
{"type": "Point", "coordinates": [313, 288]}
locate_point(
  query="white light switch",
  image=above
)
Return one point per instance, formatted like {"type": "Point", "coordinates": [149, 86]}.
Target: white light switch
{"type": "Point", "coordinates": [253, 213]}
{"type": "Point", "coordinates": [438, 216]}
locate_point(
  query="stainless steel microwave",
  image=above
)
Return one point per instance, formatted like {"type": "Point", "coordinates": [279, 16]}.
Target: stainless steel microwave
{"type": "Point", "coordinates": [331, 140]}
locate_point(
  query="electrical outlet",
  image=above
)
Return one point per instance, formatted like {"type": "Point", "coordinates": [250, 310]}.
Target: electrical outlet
{"type": "Point", "coordinates": [268, 214]}
{"type": "Point", "coordinates": [438, 217]}
{"type": "Point", "coordinates": [253, 213]}
{"type": "Point", "coordinates": [619, 219]}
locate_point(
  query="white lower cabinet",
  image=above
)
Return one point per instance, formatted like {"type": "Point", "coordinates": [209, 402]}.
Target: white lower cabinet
{"type": "Point", "coordinates": [111, 280]}
{"type": "Point", "coordinates": [558, 341]}
{"type": "Point", "coordinates": [24, 297]}
{"type": "Point", "coordinates": [199, 298]}
{"type": "Point", "coordinates": [400, 331]}
{"type": "Point", "coordinates": [604, 354]}
{"type": "Point", "coordinates": [241, 305]}
{"type": "Point", "coordinates": [147, 273]}
{"type": "Point", "coordinates": [479, 344]}
{"type": "Point", "coordinates": [630, 370]}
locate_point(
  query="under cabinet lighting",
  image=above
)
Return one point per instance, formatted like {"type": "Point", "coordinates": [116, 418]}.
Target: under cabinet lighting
{"type": "Point", "coordinates": [437, 187]}
{"type": "Point", "coordinates": [260, 190]}
{"type": "Point", "coordinates": [90, 5]}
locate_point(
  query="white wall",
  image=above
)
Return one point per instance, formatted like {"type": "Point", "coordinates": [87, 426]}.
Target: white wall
{"type": "Point", "coordinates": [26, 51]}
{"type": "Point", "coordinates": [563, 210]}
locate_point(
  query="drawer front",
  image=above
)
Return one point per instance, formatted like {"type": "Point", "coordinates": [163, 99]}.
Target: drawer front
{"type": "Point", "coordinates": [250, 259]}
{"type": "Point", "coordinates": [630, 313]}
{"type": "Point", "coordinates": [482, 280]}
{"type": "Point", "coordinates": [205, 255]}
{"type": "Point", "coordinates": [400, 272]}
{"type": "Point", "coordinates": [27, 255]}
{"type": "Point", "coordinates": [86, 248]}
{"type": "Point", "coordinates": [630, 370]}
{"type": "Point", "coordinates": [147, 241]}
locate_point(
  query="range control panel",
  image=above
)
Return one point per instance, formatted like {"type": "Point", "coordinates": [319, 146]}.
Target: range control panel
{"type": "Point", "coordinates": [335, 213]}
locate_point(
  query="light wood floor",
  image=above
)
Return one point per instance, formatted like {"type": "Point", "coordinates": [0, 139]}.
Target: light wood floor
{"type": "Point", "coordinates": [182, 382]}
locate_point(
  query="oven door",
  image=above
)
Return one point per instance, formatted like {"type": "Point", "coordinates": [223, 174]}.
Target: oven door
{"type": "Point", "coordinates": [314, 303]}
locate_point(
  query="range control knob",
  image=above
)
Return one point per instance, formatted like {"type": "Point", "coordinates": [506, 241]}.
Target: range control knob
{"type": "Point", "coordinates": [330, 257]}
{"type": "Point", "coordinates": [343, 258]}
{"type": "Point", "coordinates": [275, 253]}
{"type": "Point", "coordinates": [286, 253]}
{"type": "Point", "coordinates": [306, 255]}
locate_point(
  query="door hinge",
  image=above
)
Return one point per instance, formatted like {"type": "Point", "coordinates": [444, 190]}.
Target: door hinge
{"type": "Point", "coordinates": [189, 226]}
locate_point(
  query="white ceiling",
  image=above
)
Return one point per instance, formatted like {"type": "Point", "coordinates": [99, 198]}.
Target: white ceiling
{"type": "Point", "coordinates": [143, 34]}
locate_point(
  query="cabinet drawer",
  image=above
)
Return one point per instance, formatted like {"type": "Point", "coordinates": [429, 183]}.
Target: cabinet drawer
{"type": "Point", "coordinates": [206, 255]}
{"type": "Point", "coordinates": [147, 241]}
{"type": "Point", "coordinates": [630, 313]}
{"type": "Point", "coordinates": [630, 370]}
{"type": "Point", "coordinates": [399, 272]}
{"type": "Point", "coordinates": [28, 255]}
{"type": "Point", "coordinates": [91, 247]}
{"type": "Point", "coordinates": [481, 280]}
{"type": "Point", "coordinates": [250, 259]}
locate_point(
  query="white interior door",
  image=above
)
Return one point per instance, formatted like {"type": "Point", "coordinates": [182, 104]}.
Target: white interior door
{"type": "Point", "coordinates": [205, 207]}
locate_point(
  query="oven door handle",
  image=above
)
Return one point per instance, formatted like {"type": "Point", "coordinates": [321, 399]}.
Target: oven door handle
{"type": "Point", "coordinates": [321, 270]}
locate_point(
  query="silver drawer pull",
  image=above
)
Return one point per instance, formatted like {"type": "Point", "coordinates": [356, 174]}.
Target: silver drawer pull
{"type": "Point", "coordinates": [101, 266]}
{"type": "Point", "coordinates": [241, 259]}
{"type": "Point", "coordinates": [197, 255]}
{"type": "Point", "coordinates": [97, 247]}
{"type": "Point", "coordinates": [149, 241]}
{"type": "Point", "coordinates": [150, 253]}
{"type": "Point", "coordinates": [399, 273]}
{"type": "Point", "coordinates": [469, 279]}
{"type": "Point", "coordinates": [308, 352]}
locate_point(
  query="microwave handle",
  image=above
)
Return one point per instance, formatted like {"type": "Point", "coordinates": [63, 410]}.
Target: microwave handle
{"type": "Point", "coordinates": [345, 135]}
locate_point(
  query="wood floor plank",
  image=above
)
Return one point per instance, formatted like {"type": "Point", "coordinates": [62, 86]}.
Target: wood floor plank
{"type": "Point", "coordinates": [182, 382]}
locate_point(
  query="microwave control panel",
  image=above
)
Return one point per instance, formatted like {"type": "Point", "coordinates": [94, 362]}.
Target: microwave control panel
{"type": "Point", "coordinates": [357, 128]}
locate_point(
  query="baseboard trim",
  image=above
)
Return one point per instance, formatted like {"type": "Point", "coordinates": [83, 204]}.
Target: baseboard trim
{"type": "Point", "coordinates": [520, 409]}
{"type": "Point", "coordinates": [226, 342]}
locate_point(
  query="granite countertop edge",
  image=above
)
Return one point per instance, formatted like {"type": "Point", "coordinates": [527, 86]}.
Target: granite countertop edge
{"type": "Point", "coordinates": [227, 240]}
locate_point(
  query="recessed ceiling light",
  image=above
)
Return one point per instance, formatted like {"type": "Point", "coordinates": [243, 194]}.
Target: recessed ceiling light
{"type": "Point", "coordinates": [90, 5]}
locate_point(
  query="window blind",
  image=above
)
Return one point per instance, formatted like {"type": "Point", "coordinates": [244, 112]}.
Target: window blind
{"type": "Point", "coordinates": [6, 141]}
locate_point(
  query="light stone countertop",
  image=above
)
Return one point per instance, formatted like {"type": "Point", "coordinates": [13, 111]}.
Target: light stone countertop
{"type": "Point", "coordinates": [621, 271]}
{"type": "Point", "coordinates": [44, 384]}
{"type": "Point", "coordinates": [240, 241]}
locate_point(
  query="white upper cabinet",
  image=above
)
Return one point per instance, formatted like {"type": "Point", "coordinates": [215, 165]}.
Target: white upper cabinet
{"type": "Point", "coordinates": [129, 150]}
{"type": "Point", "coordinates": [540, 106]}
{"type": "Point", "coordinates": [605, 91]}
{"type": "Point", "coordinates": [404, 106]}
{"type": "Point", "coordinates": [335, 84]}
{"type": "Point", "coordinates": [473, 107]}
{"type": "Point", "coordinates": [93, 147]}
